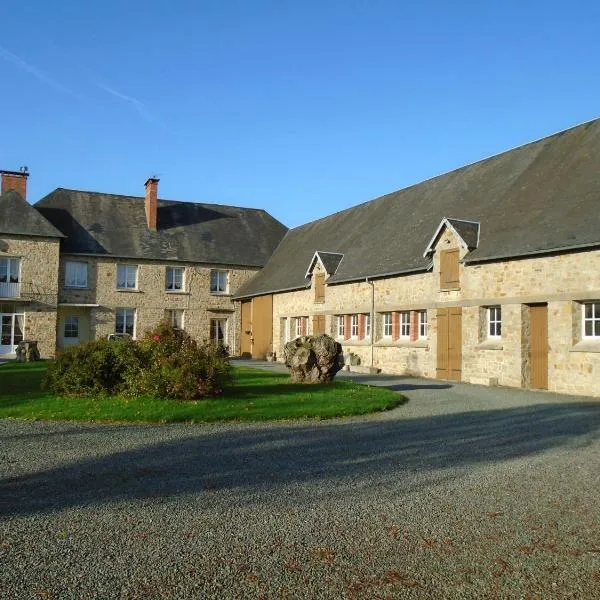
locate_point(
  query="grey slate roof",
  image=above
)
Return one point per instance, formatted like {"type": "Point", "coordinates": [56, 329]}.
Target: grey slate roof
{"type": "Point", "coordinates": [96, 223]}
{"type": "Point", "coordinates": [538, 198]}
{"type": "Point", "coordinates": [17, 216]}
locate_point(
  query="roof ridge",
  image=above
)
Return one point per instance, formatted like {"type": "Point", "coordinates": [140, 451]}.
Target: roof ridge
{"type": "Point", "coordinates": [124, 196]}
{"type": "Point", "coordinates": [454, 170]}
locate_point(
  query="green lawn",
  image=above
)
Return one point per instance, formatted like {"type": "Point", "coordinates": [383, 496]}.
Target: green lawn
{"type": "Point", "coordinates": [253, 396]}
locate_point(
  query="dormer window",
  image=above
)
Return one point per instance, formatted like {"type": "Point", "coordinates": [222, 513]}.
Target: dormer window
{"type": "Point", "coordinates": [320, 287]}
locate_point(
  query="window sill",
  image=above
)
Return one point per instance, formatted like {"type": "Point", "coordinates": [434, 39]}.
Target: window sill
{"type": "Point", "coordinates": [402, 343]}
{"type": "Point", "coordinates": [177, 292]}
{"type": "Point", "coordinates": [76, 288]}
{"type": "Point", "coordinates": [586, 346]}
{"type": "Point", "coordinates": [490, 345]}
{"type": "Point", "coordinates": [319, 301]}
{"type": "Point", "coordinates": [220, 294]}
{"type": "Point", "coordinates": [129, 291]}
{"type": "Point", "coordinates": [354, 342]}
{"type": "Point", "coordinates": [450, 289]}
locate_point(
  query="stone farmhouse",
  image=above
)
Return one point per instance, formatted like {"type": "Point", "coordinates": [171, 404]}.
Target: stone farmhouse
{"type": "Point", "coordinates": [82, 265]}
{"type": "Point", "coordinates": [488, 274]}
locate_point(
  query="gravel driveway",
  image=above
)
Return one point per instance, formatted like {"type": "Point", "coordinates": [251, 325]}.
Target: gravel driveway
{"type": "Point", "coordinates": [463, 492]}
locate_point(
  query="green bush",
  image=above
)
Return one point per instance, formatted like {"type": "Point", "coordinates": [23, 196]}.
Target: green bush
{"type": "Point", "coordinates": [166, 363]}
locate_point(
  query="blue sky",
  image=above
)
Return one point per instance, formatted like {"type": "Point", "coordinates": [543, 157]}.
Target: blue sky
{"type": "Point", "coordinates": [302, 108]}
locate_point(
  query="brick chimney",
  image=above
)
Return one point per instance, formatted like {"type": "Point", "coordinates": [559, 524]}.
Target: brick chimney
{"type": "Point", "coordinates": [152, 202]}
{"type": "Point", "coordinates": [15, 180]}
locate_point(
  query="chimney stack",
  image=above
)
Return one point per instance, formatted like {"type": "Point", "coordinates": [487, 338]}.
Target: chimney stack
{"type": "Point", "coordinates": [152, 202]}
{"type": "Point", "coordinates": [16, 181]}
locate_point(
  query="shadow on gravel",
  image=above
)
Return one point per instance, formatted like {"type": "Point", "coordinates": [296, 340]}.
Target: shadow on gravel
{"type": "Point", "coordinates": [333, 458]}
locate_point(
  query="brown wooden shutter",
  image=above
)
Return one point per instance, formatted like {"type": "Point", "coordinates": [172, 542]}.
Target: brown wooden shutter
{"type": "Point", "coordinates": [395, 326]}
{"type": "Point", "coordinates": [320, 287]}
{"type": "Point", "coordinates": [449, 270]}
{"type": "Point", "coordinates": [414, 325]}
{"type": "Point", "coordinates": [347, 324]}
{"type": "Point", "coordinates": [318, 324]}
{"type": "Point", "coordinates": [361, 326]}
{"type": "Point", "coordinates": [304, 325]}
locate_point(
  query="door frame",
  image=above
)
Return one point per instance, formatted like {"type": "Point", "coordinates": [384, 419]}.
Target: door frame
{"type": "Point", "coordinates": [10, 348]}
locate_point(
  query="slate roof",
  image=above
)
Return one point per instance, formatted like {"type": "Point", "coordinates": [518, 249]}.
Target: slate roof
{"type": "Point", "coordinates": [17, 216]}
{"type": "Point", "coordinates": [468, 231]}
{"type": "Point", "coordinates": [114, 225]}
{"type": "Point", "coordinates": [538, 198]}
{"type": "Point", "coordinates": [329, 260]}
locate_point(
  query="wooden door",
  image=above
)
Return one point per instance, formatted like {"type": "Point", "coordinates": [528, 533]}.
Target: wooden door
{"type": "Point", "coordinates": [318, 324]}
{"type": "Point", "coordinates": [538, 353]}
{"type": "Point", "coordinates": [246, 341]}
{"type": "Point", "coordinates": [262, 326]}
{"type": "Point", "coordinates": [449, 343]}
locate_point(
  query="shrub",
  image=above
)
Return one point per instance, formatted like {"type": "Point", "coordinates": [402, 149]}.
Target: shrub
{"type": "Point", "coordinates": [165, 363]}
{"type": "Point", "coordinates": [98, 367]}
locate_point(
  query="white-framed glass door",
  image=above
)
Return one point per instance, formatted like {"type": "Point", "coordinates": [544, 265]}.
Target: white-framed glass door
{"type": "Point", "coordinates": [11, 331]}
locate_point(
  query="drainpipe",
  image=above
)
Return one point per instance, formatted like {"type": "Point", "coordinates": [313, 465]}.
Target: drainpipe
{"type": "Point", "coordinates": [372, 317]}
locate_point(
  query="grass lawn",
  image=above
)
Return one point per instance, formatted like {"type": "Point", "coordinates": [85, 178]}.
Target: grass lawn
{"type": "Point", "coordinates": [254, 396]}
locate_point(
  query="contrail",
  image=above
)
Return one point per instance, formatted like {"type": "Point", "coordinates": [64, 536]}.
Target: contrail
{"type": "Point", "coordinates": [39, 75]}
{"type": "Point", "coordinates": [139, 106]}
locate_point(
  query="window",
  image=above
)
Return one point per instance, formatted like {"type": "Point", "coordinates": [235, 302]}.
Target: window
{"type": "Point", "coordinates": [301, 326]}
{"type": "Point", "coordinates": [127, 277]}
{"type": "Point", "coordinates": [449, 271]}
{"type": "Point", "coordinates": [219, 282]}
{"type": "Point", "coordinates": [387, 325]}
{"type": "Point", "coordinates": [354, 326]}
{"type": "Point", "coordinates": [76, 275]}
{"type": "Point", "coordinates": [71, 327]}
{"type": "Point", "coordinates": [405, 324]}
{"type": "Point", "coordinates": [494, 322]}
{"type": "Point", "coordinates": [175, 279]}
{"type": "Point", "coordinates": [320, 287]}
{"type": "Point", "coordinates": [175, 317]}
{"type": "Point", "coordinates": [10, 277]}
{"type": "Point", "coordinates": [422, 323]}
{"type": "Point", "coordinates": [125, 321]}
{"type": "Point", "coordinates": [367, 325]}
{"type": "Point", "coordinates": [591, 320]}
{"type": "Point", "coordinates": [218, 330]}
{"type": "Point", "coordinates": [340, 326]}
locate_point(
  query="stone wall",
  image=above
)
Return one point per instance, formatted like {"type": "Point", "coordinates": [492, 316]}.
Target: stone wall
{"type": "Point", "coordinates": [39, 286]}
{"type": "Point", "coordinates": [151, 299]}
{"type": "Point", "coordinates": [561, 281]}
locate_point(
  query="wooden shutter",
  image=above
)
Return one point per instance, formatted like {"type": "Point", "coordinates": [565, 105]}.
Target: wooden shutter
{"type": "Point", "coordinates": [347, 327]}
{"type": "Point", "coordinates": [449, 271]}
{"type": "Point", "coordinates": [442, 344]}
{"type": "Point", "coordinates": [318, 324]}
{"type": "Point", "coordinates": [304, 325]}
{"type": "Point", "coordinates": [320, 287]}
{"type": "Point", "coordinates": [361, 326]}
{"type": "Point", "coordinates": [414, 325]}
{"type": "Point", "coordinates": [395, 326]}
{"type": "Point", "coordinates": [538, 353]}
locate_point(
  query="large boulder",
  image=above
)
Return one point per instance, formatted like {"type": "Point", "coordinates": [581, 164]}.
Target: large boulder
{"type": "Point", "coordinates": [313, 358]}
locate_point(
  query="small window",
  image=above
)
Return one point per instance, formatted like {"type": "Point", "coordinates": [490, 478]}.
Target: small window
{"type": "Point", "coordinates": [175, 279]}
{"type": "Point", "coordinates": [341, 331]}
{"type": "Point", "coordinates": [320, 287]}
{"type": "Point", "coordinates": [219, 282]}
{"type": "Point", "coordinates": [422, 323]}
{"type": "Point", "coordinates": [175, 317]}
{"type": "Point", "coordinates": [10, 270]}
{"type": "Point", "coordinates": [76, 275]}
{"type": "Point", "coordinates": [405, 324]}
{"type": "Point", "coordinates": [71, 327]}
{"type": "Point", "coordinates": [354, 326]}
{"type": "Point", "coordinates": [127, 277]}
{"type": "Point", "coordinates": [368, 325]}
{"type": "Point", "coordinates": [301, 326]}
{"type": "Point", "coordinates": [387, 325]}
{"type": "Point", "coordinates": [591, 320]}
{"type": "Point", "coordinates": [218, 331]}
{"type": "Point", "coordinates": [494, 322]}
{"type": "Point", "coordinates": [125, 321]}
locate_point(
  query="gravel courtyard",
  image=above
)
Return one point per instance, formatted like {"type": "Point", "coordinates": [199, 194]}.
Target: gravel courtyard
{"type": "Point", "coordinates": [463, 492]}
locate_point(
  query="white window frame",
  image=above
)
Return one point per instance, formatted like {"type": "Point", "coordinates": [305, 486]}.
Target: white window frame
{"type": "Point", "coordinates": [126, 312]}
{"type": "Point", "coordinates": [128, 268]}
{"type": "Point", "coordinates": [9, 288]}
{"type": "Point", "coordinates": [368, 325]}
{"type": "Point", "coordinates": [341, 326]}
{"type": "Point", "coordinates": [213, 323]}
{"type": "Point", "coordinates": [387, 325]}
{"type": "Point", "coordinates": [299, 326]}
{"type": "Point", "coordinates": [71, 322]}
{"type": "Point", "coordinates": [405, 324]}
{"type": "Point", "coordinates": [170, 315]}
{"type": "Point", "coordinates": [286, 329]}
{"type": "Point", "coordinates": [215, 289]}
{"type": "Point", "coordinates": [422, 323]}
{"type": "Point", "coordinates": [76, 281]}
{"type": "Point", "coordinates": [170, 282]}
{"type": "Point", "coordinates": [594, 319]}
{"type": "Point", "coordinates": [494, 322]}
{"type": "Point", "coordinates": [354, 326]}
